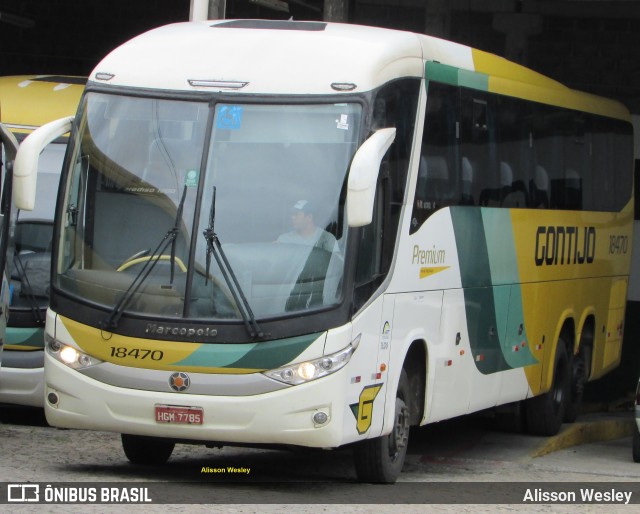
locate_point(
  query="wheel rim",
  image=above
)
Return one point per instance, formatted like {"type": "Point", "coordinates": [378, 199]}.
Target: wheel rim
{"type": "Point", "coordinates": [399, 437]}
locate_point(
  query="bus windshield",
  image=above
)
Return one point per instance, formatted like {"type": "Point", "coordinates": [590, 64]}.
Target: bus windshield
{"type": "Point", "coordinates": [152, 182]}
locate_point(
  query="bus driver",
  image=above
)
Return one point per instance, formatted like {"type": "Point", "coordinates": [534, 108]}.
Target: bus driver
{"type": "Point", "coordinates": [305, 231]}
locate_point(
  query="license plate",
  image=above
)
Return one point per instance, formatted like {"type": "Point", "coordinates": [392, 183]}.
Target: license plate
{"type": "Point", "coordinates": [176, 414]}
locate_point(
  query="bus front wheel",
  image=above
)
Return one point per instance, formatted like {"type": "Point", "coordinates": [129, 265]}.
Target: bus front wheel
{"type": "Point", "coordinates": [545, 413]}
{"type": "Point", "coordinates": [147, 451]}
{"type": "Point", "coordinates": [380, 460]}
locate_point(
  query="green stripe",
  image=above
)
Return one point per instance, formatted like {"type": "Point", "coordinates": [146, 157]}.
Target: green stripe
{"type": "Point", "coordinates": [492, 293]}
{"type": "Point", "coordinates": [479, 299]}
{"type": "Point", "coordinates": [456, 76]}
{"type": "Point", "coordinates": [25, 337]}
{"type": "Point", "coordinates": [473, 80]}
{"type": "Point", "coordinates": [441, 73]}
{"type": "Point", "coordinates": [258, 356]}
{"type": "Point", "coordinates": [501, 246]}
{"type": "Point", "coordinates": [503, 262]}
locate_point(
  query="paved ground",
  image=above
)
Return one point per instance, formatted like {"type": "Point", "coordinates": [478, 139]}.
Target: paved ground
{"type": "Point", "coordinates": [456, 458]}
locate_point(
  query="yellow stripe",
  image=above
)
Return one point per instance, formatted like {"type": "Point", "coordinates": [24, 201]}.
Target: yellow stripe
{"type": "Point", "coordinates": [554, 293]}
{"type": "Point", "coordinates": [428, 272]}
{"type": "Point", "coordinates": [21, 348]}
{"type": "Point", "coordinates": [107, 346]}
{"type": "Point", "coordinates": [495, 66]}
{"type": "Point", "coordinates": [140, 260]}
{"type": "Point", "coordinates": [508, 78]}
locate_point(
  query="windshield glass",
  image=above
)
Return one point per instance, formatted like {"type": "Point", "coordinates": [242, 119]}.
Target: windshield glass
{"type": "Point", "coordinates": [141, 231]}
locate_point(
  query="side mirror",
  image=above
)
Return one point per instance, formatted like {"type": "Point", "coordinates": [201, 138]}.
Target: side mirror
{"type": "Point", "coordinates": [363, 177]}
{"type": "Point", "coordinates": [25, 169]}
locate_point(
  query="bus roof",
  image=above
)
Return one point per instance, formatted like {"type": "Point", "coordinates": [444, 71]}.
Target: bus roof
{"type": "Point", "coordinates": [272, 57]}
{"type": "Point", "coordinates": [29, 101]}
{"type": "Point", "coordinates": [314, 58]}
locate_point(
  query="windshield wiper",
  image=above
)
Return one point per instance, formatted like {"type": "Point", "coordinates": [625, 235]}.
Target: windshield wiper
{"type": "Point", "coordinates": [214, 247]}
{"type": "Point", "coordinates": [169, 238]}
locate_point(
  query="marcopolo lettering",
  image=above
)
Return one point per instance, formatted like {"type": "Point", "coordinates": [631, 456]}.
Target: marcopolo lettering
{"type": "Point", "coordinates": [170, 330]}
{"type": "Point", "coordinates": [565, 245]}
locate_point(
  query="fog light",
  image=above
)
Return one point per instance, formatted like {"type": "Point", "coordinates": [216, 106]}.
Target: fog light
{"type": "Point", "coordinates": [320, 418]}
{"type": "Point", "coordinates": [52, 398]}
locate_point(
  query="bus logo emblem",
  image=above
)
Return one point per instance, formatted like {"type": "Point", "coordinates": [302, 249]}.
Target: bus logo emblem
{"type": "Point", "coordinates": [179, 381]}
{"type": "Point", "coordinates": [363, 410]}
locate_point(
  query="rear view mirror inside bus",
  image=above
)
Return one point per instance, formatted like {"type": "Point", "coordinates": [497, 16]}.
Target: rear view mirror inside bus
{"type": "Point", "coordinates": [363, 176]}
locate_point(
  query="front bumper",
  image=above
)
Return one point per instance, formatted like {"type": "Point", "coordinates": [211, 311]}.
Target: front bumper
{"type": "Point", "coordinates": [21, 385]}
{"type": "Point", "coordinates": [278, 417]}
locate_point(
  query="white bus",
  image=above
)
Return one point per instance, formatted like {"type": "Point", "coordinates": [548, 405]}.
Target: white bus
{"type": "Point", "coordinates": [28, 102]}
{"type": "Point", "coordinates": [313, 234]}
{"type": "Point", "coordinates": [8, 150]}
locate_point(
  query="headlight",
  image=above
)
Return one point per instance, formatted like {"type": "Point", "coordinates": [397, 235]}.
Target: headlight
{"type": "Point", "coordinates": [69, 355]}
{"type": "Point", "coordinates": [302, 372]}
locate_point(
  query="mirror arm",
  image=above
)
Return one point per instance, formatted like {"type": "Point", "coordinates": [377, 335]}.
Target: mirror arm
{"type": "Point", "coordinates": [25, 170]}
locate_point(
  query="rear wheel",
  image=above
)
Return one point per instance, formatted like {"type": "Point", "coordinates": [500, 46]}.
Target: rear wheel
{"type": "Point", "coordinates": [545, 413]}
{"type": "Point", "coordinates": [579, 374]}
{"type": "Point", "coordinates": [148, 451]}
{"type": "Point", "coordinates": [380, 460]}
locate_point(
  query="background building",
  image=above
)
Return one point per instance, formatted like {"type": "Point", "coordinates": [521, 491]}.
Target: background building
{"type": "Point", "coordinates": [588, 44]}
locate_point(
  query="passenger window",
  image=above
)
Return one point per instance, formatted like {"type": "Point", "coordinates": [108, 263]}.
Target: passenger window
{"type": "Point", "coordinates": [439, 181]}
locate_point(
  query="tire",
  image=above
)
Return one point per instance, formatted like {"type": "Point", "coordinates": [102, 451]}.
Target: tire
{"type": "Point", "coordinates": [147, 451]}
{"type": "Point", "coordinates": [636, 442]}
{"type": "Point", "coordinates": [579, 375]}
{"type": "Point", "coordinates": [545, 413]}
{"type": "Point", "coordinates": [380, 460]}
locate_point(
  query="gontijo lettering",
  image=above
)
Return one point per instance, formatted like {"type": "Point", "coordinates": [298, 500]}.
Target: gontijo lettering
{"type": "Point", "coordinates": [565, 245]}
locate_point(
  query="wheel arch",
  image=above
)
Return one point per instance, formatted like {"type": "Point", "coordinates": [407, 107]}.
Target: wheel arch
{"type": "Point", "coordinates": [567, 333]}
{"type": "Point", "coordinates": [586, 340]}
{"type": "Point", "coordinates": [415, 364]}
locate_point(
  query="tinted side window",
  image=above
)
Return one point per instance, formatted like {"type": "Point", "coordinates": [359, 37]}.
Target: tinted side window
{"type": "Point", "coordinates": [439, 182]}
{"type": "Point", "coordinates": [514, 151]}
{"type": "Point", "coordinates": [489, 150]}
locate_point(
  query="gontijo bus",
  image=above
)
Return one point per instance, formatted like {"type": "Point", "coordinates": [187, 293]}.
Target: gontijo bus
{"type": "Point", "coordinates": [464, 242]}
{"type": "Point", "coordinates": [28, 102]}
